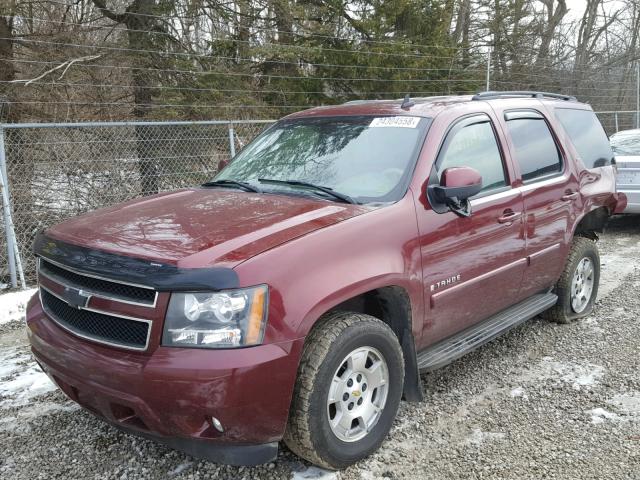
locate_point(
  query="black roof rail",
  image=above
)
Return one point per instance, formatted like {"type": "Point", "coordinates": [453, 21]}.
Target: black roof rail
{"type": "Point", "coordinates": [523, 93]}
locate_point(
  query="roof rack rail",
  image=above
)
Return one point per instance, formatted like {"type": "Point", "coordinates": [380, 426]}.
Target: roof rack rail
{"type": "Point", "coordinates": [523, 93]}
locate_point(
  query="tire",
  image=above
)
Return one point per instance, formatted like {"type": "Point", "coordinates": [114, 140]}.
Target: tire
{"type": "Point", "coordinates": [328, 347]}
{"type": "Point", "coordinates": [565, 311]}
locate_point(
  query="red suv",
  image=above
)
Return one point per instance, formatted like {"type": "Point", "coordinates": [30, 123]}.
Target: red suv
{"type": "Point", "coordinates": [299, 294]}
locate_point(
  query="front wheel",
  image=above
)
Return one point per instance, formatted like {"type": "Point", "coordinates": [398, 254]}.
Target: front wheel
{"type": "Point", "coordinates": [577, 287]}
{"type": "Point", "coordinates": [348, 390]}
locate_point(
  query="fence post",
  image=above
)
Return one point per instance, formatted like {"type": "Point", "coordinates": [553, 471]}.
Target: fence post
{"type": "Point", "coordinates": [488, 79]}
{"type": "Point", "coordinates": [637, 94]}
{"type": "Point", "coordinates": [616, 117]}
{"type": "Point", "coordinates": [6, 211]}
{"type": "Point", "coordinates": [232, 141]}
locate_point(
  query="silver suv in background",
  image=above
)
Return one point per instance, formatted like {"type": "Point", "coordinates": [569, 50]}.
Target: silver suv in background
{"type": "Point", "coordinates": [626, 146]}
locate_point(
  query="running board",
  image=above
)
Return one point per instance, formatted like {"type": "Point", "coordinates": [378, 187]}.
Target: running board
{"type": "Point", "coordinates": [454, 347]}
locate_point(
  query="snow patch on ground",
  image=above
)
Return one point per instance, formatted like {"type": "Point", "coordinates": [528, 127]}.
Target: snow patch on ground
{"type": "Point", "coordinates": [600, 415]}
{"type": "Point", "coordinates": [367, 475]}
{"type": "Point", "coordinates": [592, 325]}
{"type": "Point", "coordinates": [21, 379]}
{"type": "Point", "coordinates": [627, 404]}
{"type": "Point", "coordinates": [314, 473]}
{"type": "Point", "coordinates": [479, 437]}
{"type": "Point", "coordinates": [519, 392]}
{"type": "Point", "coordinates": [578, 376]}
{"type": "Point", "coordinates": [180, 468]}
{"type": "Point", "coordinates": [12, 305]}
{"type": "Point", "coordinates": [19, 423]}
{"type": "Point", "coordinates": [11, 362]}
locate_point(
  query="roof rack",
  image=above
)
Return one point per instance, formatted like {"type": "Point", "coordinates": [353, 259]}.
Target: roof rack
{"type": "Point", "coordinates": [523, 93]}
{"type": "Point", "coordinates": [361, 102]}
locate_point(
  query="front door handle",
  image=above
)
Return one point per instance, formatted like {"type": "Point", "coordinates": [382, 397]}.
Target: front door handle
{"type": "Point", "coordinates": [509, 216]}
{"type": "Point", "coordinates": [569, 197]}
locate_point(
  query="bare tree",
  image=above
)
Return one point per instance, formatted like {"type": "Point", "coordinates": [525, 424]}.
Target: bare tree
{"type": "Point", "coordinates": [554, 16]}
{"type": "Point", "coordinates": [141, 22]}
{"type": "Point", "coordinates": [7, 70]}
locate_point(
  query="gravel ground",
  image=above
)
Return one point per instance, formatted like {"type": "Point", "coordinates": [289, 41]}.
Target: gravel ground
{"type": "Point", "coordinates": [543, 401]}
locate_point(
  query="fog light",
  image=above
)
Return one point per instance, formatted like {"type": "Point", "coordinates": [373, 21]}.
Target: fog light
{"type": "Point", "coordinates": [217, 425]}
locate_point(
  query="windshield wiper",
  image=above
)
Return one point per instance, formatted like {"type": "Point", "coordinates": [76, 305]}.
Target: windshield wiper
{"type": "Point", "coordinates": [247, 187]}
{"type": "Point", "coordinates": [329, 191]}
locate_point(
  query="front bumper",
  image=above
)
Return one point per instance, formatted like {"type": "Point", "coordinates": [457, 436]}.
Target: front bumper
{"type": "Point", "coordinates": [170, 394]}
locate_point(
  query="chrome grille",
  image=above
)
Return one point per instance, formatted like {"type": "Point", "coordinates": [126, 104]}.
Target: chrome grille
{"type": "Point", "coordinates": [96, 325]}
{"type": "Point", "coordinates": [71, 307]}
{"type": "Point", "coordinates": [96, 286]}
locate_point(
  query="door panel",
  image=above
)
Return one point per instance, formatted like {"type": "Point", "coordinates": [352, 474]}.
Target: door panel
{"type": "Point", "coordinates": [548, 220]}
{"type": "Point", "coordinates": [550, 193]}
{"type": "Point", "coordinates": [477, 269]}
{"type": "Point", "coordinates": [472, 267]}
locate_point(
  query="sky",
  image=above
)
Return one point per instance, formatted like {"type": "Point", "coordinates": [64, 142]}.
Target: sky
{"type": "Point", "coordinates": [576, 7]}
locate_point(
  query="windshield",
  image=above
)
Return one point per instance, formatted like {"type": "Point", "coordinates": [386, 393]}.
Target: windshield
{"type": "Point", "coordinates": [370, 159]}
{"type": "Point", "coordinates": [626, 143]}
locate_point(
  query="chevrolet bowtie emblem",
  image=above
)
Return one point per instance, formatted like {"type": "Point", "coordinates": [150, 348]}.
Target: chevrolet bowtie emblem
{"type": "Point", "coordinates": [76, 297]}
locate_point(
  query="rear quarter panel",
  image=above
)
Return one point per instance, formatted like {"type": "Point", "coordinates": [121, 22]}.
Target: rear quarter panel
{"type": "Point", "coordinates": [597, 185]}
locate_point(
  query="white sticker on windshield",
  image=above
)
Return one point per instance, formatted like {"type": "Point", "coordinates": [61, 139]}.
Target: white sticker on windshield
{"type": "Point", "coordinates": [397, 122]}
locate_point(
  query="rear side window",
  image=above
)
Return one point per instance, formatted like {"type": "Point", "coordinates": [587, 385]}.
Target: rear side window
{"type": "Point", "coordinates": [475, 146]}
{"type": "Point", "coordinates": [587, 135]}
{"type": "Point", "coordinates": [535, 149]}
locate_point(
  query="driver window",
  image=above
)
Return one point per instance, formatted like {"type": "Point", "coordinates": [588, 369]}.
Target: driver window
{"type": "Point", "coordinates": [475, 146]}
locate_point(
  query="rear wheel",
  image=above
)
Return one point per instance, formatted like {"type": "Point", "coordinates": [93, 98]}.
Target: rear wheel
{"type": "Point", "coordinates": [577, 287]}
{"type": "Point", "coordinates": [348, 390]}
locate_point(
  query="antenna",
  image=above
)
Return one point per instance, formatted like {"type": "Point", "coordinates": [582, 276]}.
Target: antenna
{"type": "Point", "coordinates": [407, 102]}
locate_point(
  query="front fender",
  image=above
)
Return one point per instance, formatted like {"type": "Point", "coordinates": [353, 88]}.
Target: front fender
{"type": "Point", "coordinates": [312, 274]}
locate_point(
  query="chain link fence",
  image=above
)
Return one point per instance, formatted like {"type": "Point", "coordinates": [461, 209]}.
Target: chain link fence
{"type": "Point", "coordinates": [615, 121]}
{"type": "Point", "coordinates": [57, 171]}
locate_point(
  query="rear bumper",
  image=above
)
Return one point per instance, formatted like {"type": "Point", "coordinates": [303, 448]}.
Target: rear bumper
{"type": "Point", "coordinates": [171, 394]}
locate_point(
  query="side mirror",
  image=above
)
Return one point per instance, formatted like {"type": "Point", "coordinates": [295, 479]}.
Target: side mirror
{"type": "Point", "coordinates": [457, 185]}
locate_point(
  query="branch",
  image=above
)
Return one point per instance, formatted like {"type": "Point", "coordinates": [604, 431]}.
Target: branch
{"type": "Point", "coordinates": [355, 24]}
{"type": "Point", "coordinates": [66, 65]}
{"type": "Point", "coordinates": [116, 17]}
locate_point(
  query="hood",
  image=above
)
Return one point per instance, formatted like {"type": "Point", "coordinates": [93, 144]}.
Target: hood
{"type": "Point", "coordinates": [201, 227]}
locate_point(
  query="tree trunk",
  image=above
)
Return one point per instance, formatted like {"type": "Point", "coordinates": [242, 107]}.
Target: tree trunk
{"type": "Point", "coordinates": [244, 20]}
{"type": "Point", "coordinates": [138, 23]}
{"type": "Point", "coordinates": [554, 18]}
{"type": "Point", "coordinates": [461, 32]}
{"type": "Point", "coordinates": [7, 70]}
{"type": "Point", "coordinates": [585, 33]}
{"type": "Point", "coordinates": [139, 20]}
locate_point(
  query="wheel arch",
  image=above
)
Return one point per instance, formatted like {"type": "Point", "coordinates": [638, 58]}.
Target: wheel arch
{"type": "Point", "coordinates": [592, 223]}
{"type": "Point", "coordinates": [392, 305]}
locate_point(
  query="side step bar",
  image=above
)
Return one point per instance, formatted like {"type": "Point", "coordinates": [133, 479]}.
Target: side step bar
{"type": "Point", "coordinates": [454, 347]}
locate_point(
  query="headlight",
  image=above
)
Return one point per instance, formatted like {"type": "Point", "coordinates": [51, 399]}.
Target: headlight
{"type": "Point", "coordinates": [234, 318]}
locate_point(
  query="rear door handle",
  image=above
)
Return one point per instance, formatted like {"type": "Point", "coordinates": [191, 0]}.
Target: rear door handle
{"type": "Point", "coordinates": [509, 216]}
{"type": "Point", "coordinates": [570, 196]}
